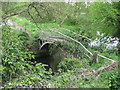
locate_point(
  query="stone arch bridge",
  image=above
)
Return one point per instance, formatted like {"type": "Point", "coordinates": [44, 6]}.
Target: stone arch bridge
{"type": "Point", "coordinates": [51, 37]}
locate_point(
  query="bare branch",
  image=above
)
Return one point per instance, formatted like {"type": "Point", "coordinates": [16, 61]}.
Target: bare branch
{"type": "Point", "coordinates": [97, 72]}
{"type": "Point", "coordinates": [19, 12]}
{"type": "Point", "coordinates": [37, 11]}
{"type": "Point", "coordinates": [33, 20]}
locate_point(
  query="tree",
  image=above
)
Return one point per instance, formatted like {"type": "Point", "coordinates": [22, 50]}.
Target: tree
{"type": "Point", "coordinates": [105, 18]}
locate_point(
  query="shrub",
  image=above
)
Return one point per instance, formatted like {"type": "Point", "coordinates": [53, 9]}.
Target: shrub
{"type": "Point", "coordinates": [16, 69]}
{"type": "Point", "coordinates": [70, 64]}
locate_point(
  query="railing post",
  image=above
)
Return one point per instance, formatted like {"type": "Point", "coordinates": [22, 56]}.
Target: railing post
{"type": "Point", "coordinates": [94, 58]}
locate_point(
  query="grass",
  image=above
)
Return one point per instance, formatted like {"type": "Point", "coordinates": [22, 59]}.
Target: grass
{"type": "Point", "coordinates": [22, 21]}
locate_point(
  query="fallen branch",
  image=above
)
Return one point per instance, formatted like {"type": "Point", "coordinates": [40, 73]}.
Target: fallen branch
{"type": "Point", "coordinates": [97, 72]}
{"type": "Point", "coordinates": [37, 12]}
{"type": "Point", "coordinates": [98, 75]}
{"type": "Point", "coordinates": [107, 68]}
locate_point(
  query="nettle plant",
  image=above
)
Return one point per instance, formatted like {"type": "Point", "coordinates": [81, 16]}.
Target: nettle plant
{"type": "Point", "coordinates": [15, 59]}
{"type": "Point", "coordinates": [14, 54]}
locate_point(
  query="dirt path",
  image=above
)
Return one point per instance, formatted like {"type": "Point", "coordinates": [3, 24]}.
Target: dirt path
{"type": "Point", "coordinates": [14, 25]}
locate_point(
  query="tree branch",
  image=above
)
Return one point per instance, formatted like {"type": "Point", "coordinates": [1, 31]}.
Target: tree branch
{"type": "Point", "coordinates": [34, 20]}
{"type": "Point", "coordinates": [37, 11]}
{"type": "Point", "coordinates": [19, 12]}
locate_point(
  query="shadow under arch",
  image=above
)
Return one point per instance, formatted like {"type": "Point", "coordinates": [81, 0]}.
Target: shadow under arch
{"type": "Point", "coordinates": [51, 54]}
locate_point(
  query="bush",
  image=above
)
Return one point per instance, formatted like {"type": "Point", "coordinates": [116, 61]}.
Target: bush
{"type": "Point", "coordinates": [113, 78]}
{"type": "Point", "coordinates": [70, 64]}
{"type": "Point", "coordinates": [16, 69]}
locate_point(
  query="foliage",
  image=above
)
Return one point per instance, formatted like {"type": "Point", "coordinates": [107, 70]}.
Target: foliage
{"type": "Point", "coordinates": [65, 77]}
{"type": "Point", "coordinates": [15, 67]}
{"type": "Point", "coordinates": [112, 78]}
{"type": "Point", "coordinates": [104, 17]}
{"type": "Point", "coordinates": [14, 54]}
{"type": "Point", "coordinates": [70, 64]}
{"type": "Point", "coordinates": [19, 48]}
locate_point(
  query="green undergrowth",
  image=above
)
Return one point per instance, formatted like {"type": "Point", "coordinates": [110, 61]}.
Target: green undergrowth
{"type": "Point", "coordinates": [16, 68]}
{"type": "Point", "coordinates": [30, 25]}
{"type": "Point", "coordinates": [72, 79]}
{"type": "Point", "coordinates": [19, 72]}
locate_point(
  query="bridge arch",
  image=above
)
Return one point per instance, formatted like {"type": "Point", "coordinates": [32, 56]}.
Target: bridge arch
{"type": "Point", "coordinates": [49, 53]}
{"type": "Point", "coordinates": [46, 43]}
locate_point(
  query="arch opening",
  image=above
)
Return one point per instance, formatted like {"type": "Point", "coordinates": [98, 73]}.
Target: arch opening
{"type": "Point", "coordinates": [49, 53]}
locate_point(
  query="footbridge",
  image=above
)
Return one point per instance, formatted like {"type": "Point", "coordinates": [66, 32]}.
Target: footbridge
{"type": "Point", "coordinates": [55, 36]}
{"type": "Point", "coordinates": [62, 35]}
